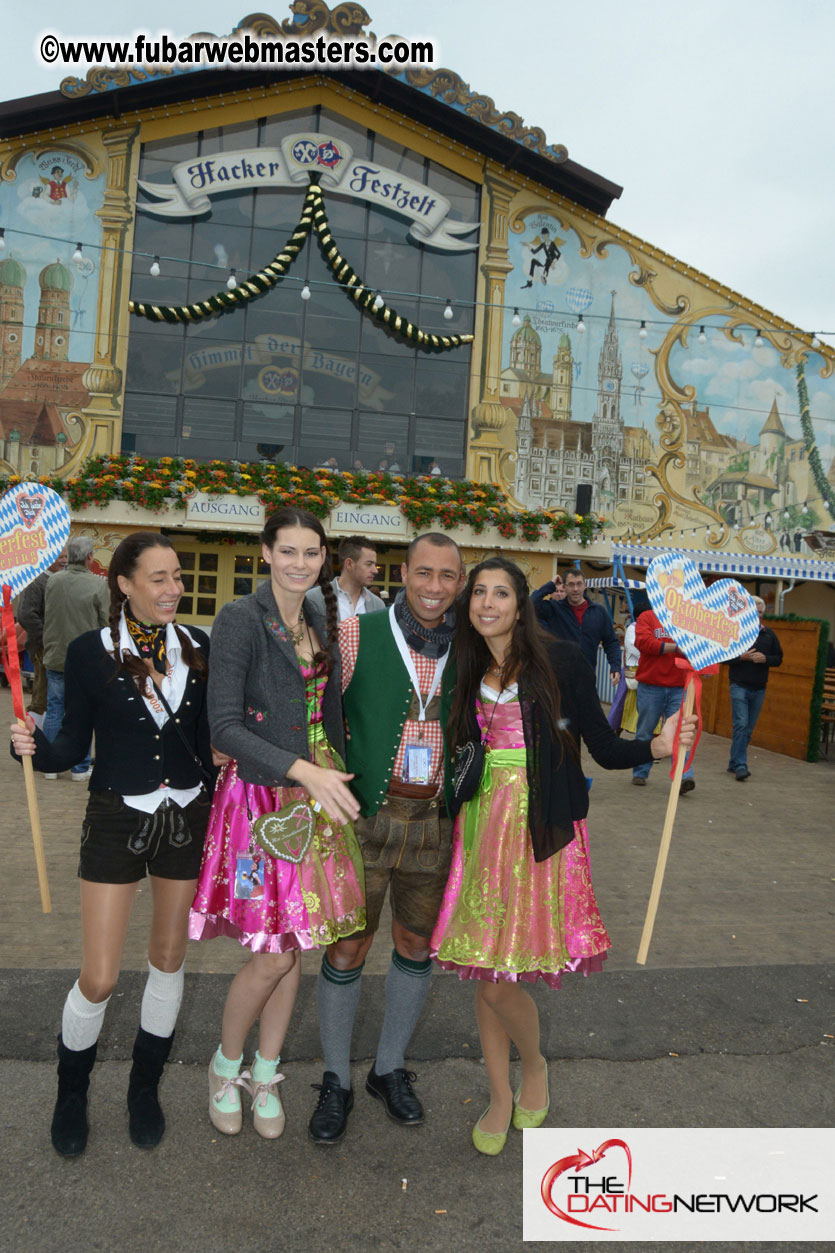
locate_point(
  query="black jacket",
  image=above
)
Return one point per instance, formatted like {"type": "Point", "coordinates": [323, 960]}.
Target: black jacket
{"type": "Point", "coordinates": [559, 618]}
{"type": "Point", "coordinates": [558, 792]}
{"type": "Point", "coordinates": [133, 754]}
{"type": "Point", "coordinates": [754, 674]}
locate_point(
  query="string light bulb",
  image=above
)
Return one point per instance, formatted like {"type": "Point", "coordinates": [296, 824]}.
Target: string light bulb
{"type": "Point", "coordinates": [2, 238]}
{"type": "Point", "coordinates": [516, 320]}
{"type": "Point", "coordinates": [449, 313]}
{"type": "Point", "coordinates": [815, 340]}
{"type": "Point", "coordinates": [77, 255]}
{"type": "Point", "coordinates": [759, 342]}
{"type": "Point", "coordinates": [581, 326]}
{"type": "Point", "coordinates": [232, 281]}
{"type": "Point", "coordinates": [642, 333]}
{"type": "Point", "coordinates": [378, 303]}
{"type": "Point", "coordinates": [154, 268]}
{"type": "Point", "coordinates": [305, 292]}
{"type": "Point", "coordinates": [702, 336]}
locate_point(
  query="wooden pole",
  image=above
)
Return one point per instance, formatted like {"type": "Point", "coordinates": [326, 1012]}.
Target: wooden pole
{"type": "Point", "coordinates": [35, 822]}
{"type": "Point", "coordinates": [666, 834]}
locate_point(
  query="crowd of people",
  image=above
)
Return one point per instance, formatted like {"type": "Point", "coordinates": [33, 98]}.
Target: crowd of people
{"type": "Point", "coordinates": [325, 753]}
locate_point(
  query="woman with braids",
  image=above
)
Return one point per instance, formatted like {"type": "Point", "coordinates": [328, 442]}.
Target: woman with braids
{"type": "Point", "coordinates": [140, 685]}
{"type": "Point", "coordinates": [276, 710]}
{"type": "Point", "coordinates": [519, 904]}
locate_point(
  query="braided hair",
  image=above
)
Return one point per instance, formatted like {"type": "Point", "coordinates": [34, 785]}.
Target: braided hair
{"type": "Point", "coordinates": [290, 516]}
{"type": "Point", "coordinates": [123, 563]}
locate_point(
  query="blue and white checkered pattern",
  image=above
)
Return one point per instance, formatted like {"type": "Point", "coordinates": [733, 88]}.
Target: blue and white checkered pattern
{"type": "Point", "coordinates": [727, 597]}
{"type": "Point", "coordinates": [44, 509]}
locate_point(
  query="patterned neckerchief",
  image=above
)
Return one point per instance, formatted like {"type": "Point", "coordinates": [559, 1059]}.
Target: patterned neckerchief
{"type": "Point", "coordinates": [149, 641]}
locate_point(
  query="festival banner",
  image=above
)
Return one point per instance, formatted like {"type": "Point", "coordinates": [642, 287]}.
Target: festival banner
{"type": "Point", "coordinates": [197, 180]}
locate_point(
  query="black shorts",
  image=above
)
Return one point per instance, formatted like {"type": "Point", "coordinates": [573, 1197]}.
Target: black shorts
{"type": "Point", "coordinates": [122, 845]}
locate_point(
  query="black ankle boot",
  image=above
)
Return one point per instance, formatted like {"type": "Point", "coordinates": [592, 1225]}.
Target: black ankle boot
{"type": "Point", "coordinates": [147, 1122]}
{"type": "Point", "coordinates": [69, 1122]}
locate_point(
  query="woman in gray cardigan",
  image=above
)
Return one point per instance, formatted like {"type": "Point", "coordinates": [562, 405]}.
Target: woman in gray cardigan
{"type": "Point", "coordinates": [275, 709]}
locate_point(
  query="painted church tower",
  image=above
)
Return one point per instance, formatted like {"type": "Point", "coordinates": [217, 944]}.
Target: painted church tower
{"type": "Point", "coordinates": [561, 386]}
{"type": "Point", "coordinates": [12, 282]}
{"type": "Point", "coordinates": [607, 425]}
{"type": "Point", "coordinates": [526, 349]}
{"type": "Point", "coordinates": [52, 332]}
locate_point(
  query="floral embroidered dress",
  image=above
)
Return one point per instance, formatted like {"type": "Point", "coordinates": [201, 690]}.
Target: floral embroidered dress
{"type": "Point", "coordinates": [268, 904]}
{"type": "Point", "coordinates": [504, 915]}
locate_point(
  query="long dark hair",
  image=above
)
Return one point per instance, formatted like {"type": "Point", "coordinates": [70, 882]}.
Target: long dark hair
{"type": "Point", "coordinates": [527, 661]}
{"type": "Point", "coordinates": [290, 516]}
{"type": "Point", "coordinates": [124, 561]}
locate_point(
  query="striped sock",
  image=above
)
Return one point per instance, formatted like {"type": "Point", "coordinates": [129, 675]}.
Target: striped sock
{"type": "Point", "coordinates": [407, 984]}
{"type": "Point", "coordinates": [337, 996]}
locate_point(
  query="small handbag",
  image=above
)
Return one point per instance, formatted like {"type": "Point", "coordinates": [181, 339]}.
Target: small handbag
{"type": "Point", "coordinates": [467, 769]}
{"type": "Point", "coordinates": [285, 834]}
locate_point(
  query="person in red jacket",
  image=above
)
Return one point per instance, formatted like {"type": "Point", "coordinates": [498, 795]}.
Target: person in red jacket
{"type": "Point", "coordinates": [660, 687]}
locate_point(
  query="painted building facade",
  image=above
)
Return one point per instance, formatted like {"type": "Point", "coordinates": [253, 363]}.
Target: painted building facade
{"type": "Point", "coordinates": [603, 374]}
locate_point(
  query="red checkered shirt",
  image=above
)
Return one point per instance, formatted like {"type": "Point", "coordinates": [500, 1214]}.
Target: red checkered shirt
{"type": "Point", "coordinates": [349, 642]}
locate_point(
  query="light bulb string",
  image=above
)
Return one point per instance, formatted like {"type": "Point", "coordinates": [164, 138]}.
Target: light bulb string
{"type": "Point", "coordinates": [585, 316]}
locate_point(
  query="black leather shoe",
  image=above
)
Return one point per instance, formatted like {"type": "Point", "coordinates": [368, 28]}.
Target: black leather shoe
{"type": "Point", "coordinates": [396, 1092]}
{"type": "Point", "coordinates": [330, 1117]}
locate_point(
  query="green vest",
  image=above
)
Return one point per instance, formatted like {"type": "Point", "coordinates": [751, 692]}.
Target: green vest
{"type": "Point", "coordinates": [377, 703]}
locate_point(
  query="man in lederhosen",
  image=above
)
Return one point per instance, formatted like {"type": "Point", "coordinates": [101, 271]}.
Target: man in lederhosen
{"type": "Point", "coordinates": [392, 667]}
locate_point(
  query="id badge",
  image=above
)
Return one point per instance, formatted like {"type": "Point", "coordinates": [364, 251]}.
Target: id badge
{"type": "Point", "coordinates": [417, 762]}
{"type": "Point", "coordinates": [249, 879]}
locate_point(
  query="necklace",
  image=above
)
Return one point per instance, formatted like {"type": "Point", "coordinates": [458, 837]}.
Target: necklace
{"type": "Point", "coordinates": [297, 635]}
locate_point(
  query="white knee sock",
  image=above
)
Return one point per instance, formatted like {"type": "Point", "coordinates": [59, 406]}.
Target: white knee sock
{"type": "Point", "coordinates": [82, 1020]}
{"type": "Point", "coordinates": [161, 1000]}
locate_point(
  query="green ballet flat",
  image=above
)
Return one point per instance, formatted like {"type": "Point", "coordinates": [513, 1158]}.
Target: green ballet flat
{"type": "Point", "coordinates": [530, 1117]}
{"type": "Point", "coordinates": [490, 1143]}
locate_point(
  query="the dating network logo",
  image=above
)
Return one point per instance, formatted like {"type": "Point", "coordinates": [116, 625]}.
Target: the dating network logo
{"type": "Point", "coordinates": [581, 1194]}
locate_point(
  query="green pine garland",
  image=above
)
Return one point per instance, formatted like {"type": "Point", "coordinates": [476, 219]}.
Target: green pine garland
{"type": "Point", "coordinates": [821, 481]}
{"type": "Point", "coordinates": [315, 218]}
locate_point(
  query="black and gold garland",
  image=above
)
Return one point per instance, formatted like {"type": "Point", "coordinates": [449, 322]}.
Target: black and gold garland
{"type": "Point", "coordinates": [313, 218]}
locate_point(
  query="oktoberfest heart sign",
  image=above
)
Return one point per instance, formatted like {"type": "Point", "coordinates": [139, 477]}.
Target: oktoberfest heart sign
{"type": "Point", "coordinates": [708, 624]}
{"type": "Point", "coordinates": [34, 527]}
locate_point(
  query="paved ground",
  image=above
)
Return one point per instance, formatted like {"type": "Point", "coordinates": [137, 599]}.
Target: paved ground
{"type": "Point", "coordinates": [731, 1023]}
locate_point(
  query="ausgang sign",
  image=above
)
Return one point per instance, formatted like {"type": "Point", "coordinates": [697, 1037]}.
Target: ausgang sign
{"type": "Point", "coordinates": [245, 512]}
{"type": "Point", "coordinates": [196, 181]}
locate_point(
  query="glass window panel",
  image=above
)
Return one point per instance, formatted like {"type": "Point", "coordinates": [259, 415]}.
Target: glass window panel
{"type": "Point", "coordinates": [186, 561]}
{"type": "Point", "coordinates": [326, 429]}
{"type": "Point", "coordinates": [356, 136]}
{"type": "Point", "coordinates": [449, 277]}
{"type": "Point", "coordinates": [460, 192]}
{"type": "Point", "coordinates": [268, 423]}
{"type": "Point", "coordinates": [185, 606]}
{"type": "Point", "coordinates": [441, 389]}
{"type": "Point", "coordinates": [393, 268]}
{"type": "Point", "coordinates": [402, 160]}
{"type": "Point", "coordinates": [207, 420]}
{"type": "Point", "coordinates": [219, 247]}
{"type": "Point", "coordinates": [154, 418]}
{"type": "Point", "coordinates": [208, 561]}
{"type": "Point", "coordinates": [386, 383]}
{"type": "Point", "coordinates": [188, 581]}
{"type": "Point", "coordinates": [212, 366]}
{"type": "Point", "coordinates": [376, 337]}
{"type": "Point", "coordinates": [443, 440]}
{"type": "Point", "coordinates": [382, 436]}
{"type": "Point", "coordinates": [155, 359]}
{"type": "Point", "coordinates": [274, 129]}
{"type": "Point", "coordinates": [242, 587]}
{"type": "Point", "coordinates": [206, 607]}
{"type": "Point", "coordinates": [347, 220]}
{"type": "Point", "coordinates": [243, 565]}
{"type": "Point", "coordinates": [159, 155]}
{"type": "Point", "coordinates": [263, 568]}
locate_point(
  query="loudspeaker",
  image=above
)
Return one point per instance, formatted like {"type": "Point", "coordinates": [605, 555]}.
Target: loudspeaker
{"type": "Point", "coordinates": [583, 504]}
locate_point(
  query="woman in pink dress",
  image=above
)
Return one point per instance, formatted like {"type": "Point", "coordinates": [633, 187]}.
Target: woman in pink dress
{"type": "Point", "coordinates": [275, 710]}
{"type": "Point", "coordinates": [519, 905]}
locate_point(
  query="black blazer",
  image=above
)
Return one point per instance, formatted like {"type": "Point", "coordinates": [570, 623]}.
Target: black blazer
{"type": "Point", "coordinates": [133, 754]}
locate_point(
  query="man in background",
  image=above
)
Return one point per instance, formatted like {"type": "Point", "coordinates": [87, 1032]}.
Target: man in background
{"type": "Point", "coordinates": [30, 615]}
{"type": "Point", "coordinates": [357, 571]}
{"type": "Point", "coordinates": [76, 600]}
{"type": "Point", "coordinates": [748, 674]}
{"type": "Point", "coordinates": [660, 687]}
{"type": "Point", "coordinates": [574, 617]}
